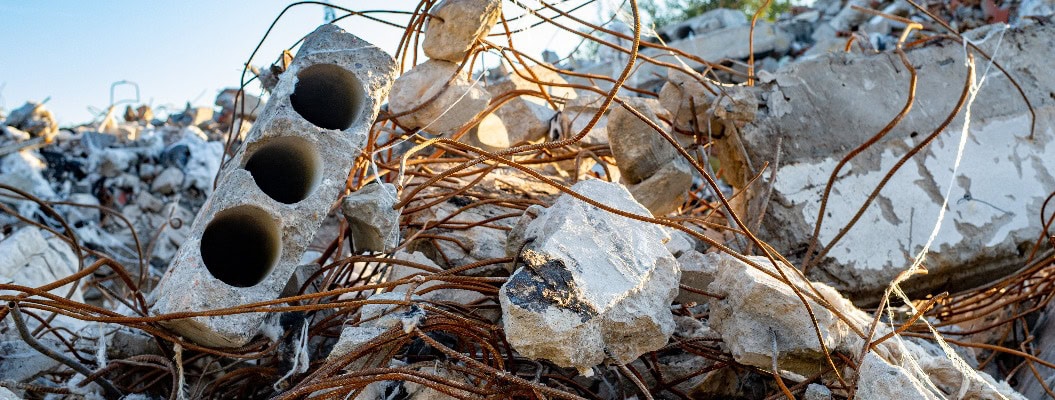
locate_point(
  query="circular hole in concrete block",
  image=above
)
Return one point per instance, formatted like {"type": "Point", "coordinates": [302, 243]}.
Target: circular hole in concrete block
{"type": "Point", "coordinates": [240, 246]}
{"type": "Point", "coordinates": [328, 96]}
{"type": "Point", "coordinates": [285, 168]}
{"type": "Point", "coordinates": [683, 32]}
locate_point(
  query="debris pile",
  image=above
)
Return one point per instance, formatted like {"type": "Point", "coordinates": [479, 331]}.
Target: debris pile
{"type": "Point", "coordinates": [855, 205]}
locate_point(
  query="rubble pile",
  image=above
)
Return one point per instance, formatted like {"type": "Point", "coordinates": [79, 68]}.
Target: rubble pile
{"type": "Point", "coordinates": [378, 228]}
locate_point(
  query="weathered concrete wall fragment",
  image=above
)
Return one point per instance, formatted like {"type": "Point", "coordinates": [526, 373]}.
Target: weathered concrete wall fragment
{"type": "Point", "coordinates": [248, 239]}
{"type": "Point", "coordinates": [823, 108]}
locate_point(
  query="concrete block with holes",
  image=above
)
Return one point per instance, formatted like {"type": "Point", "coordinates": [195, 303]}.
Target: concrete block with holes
{"type": "Point", "coordinates": [276, 190]}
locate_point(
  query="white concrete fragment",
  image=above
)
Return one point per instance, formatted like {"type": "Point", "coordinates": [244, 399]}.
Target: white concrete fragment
{"type": "Point", "coordinates": [6, 394]}
{"type": "Point", "coordinates": [29, 259]}
{"type": "Point", "coordinates": [457, 100]}
{"type": "Point", "coordinates": [375, 320]}
{"type": "Point", "coordinates": [527, 117]}
{"type": "Point", "coordinates": [817, 392]}
{"type": "Point", "coordinates": [373, 222]}
{"type": "Point", "coordinates": [23, 171]}
{"type": "Point", "coordinates": [21, 363]}
{"type": "Point", "coordinates": [759, 313]}
{"type": "Point", "coordinates": [882, 381]}
{"type": "Point", "coordinates": [168, 181]}
{"type": "Point", "coordinates": [592, 285]}
{"type": "Point", "coordinates": [456, 25]}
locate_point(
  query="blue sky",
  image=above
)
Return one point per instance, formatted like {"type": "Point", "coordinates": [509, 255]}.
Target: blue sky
{"type": "Point", "coordinates": [177, 51]}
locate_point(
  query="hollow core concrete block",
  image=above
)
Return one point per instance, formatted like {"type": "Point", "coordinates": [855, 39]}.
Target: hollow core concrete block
{"type": "Point", "coordinates": [247, 240]}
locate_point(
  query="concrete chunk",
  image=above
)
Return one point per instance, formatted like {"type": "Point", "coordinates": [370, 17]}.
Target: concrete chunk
{"type": "Point", "coordinates": [456, 25]}
{"type": "Point", "coordinates": [639, 150]}
{"type": "Point", "coordinates": [374, 224]}
{"type": "Point", "coordinates": [758, 313]}
{"type": "Point", "coordinates": [527, 117]}
{"type": "Point", "coordinates": [590, 284]}
{"type": "Point", "coordinates": [664, 191]}
{"type": "Point", "coordinates": [459, 100]}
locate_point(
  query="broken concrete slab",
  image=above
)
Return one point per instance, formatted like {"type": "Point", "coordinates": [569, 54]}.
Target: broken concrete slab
{"type": "Point", "coordinates": [457, 100]}
{"type": "Point", "coordinates": [579, 308]}
{"type": "Point", "coordinates": [456, 25]}
{"type": "Point", "coordinates": [704, 23]}
{"type": "Point", "coordinates": [373, 222]}
{"type": "Point", "coordinates": [985, 226]}
{"type": "Point", "coordinates": [249, 237]}
{"type": "Point", "coordinates": [527, 117]}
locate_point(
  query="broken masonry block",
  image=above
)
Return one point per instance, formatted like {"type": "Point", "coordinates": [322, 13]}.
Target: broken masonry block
{"type": "Point", "coordinates": [371, 218]}
{"type": "Point", "coordinates": [591, 285]}
{"type": "Point", "coordinates": [527, 118]}
{"type": "Point", "coordinates": [457, 25]}
{"type": "Point", "coordinates": [278, 187]}
{"type": "Point", "coordinates": [437, 98]}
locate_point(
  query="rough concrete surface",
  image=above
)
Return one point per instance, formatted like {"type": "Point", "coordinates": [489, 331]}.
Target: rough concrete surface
{"type": "Point", "coordinates": [579, 308]}
{"type": "Point", "coordinates": [456, 25]}
{"type": "Point", "coordinates": [527, 117]}
{"type": "Point", "coordinates": [373, 221]}
{"type": "Point", "coordinates": [985, 224]}
{"type": "Point", "coordinates": [457, 100]}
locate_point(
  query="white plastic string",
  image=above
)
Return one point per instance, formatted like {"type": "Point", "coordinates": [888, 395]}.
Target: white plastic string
{"type": "Point", "coordinates": [958, 362]}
